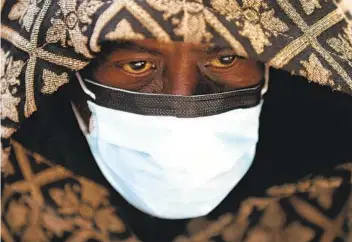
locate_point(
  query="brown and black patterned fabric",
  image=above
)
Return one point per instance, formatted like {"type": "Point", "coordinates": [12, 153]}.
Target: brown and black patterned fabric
{"type": "Point", "coordinates": [299, 187]}
{"type": "Point", "coordinates": [52, 201]}
{"type": "Point", "coordinates": [45, 41]}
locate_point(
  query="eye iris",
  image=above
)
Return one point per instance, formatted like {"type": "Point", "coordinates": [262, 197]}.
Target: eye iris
{"type": "Point", "coordinates": [137, 65]}
{"type": "Point", "coordinates": [222, 61]}
{"type": "Point", "coordinates": [226, 59]}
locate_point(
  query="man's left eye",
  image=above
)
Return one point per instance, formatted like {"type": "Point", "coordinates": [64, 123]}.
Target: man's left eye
{"type": "Point", "coordinates": [222, 61]}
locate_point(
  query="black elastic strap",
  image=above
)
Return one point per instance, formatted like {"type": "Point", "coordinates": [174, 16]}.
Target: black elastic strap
{"type": "Point", "coordinates": [174, 105]}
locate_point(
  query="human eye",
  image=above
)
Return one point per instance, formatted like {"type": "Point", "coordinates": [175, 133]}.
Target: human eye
{"type": "Point", "coordinates": [137, 67]}
{"type": "Point", "coordinates": [221, 61]}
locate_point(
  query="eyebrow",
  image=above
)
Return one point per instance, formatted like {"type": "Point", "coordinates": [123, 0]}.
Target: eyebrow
{"type": "Point", "coordinates": [136, 47]}
{"type": "Point", "coordinates": [217, 49]}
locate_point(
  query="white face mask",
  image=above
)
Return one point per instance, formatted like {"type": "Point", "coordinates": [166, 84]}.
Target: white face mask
{"type": "Point", "coordinates": [169, 167]}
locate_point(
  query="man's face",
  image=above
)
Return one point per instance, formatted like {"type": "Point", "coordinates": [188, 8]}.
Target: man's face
{"type": "Point", "coordinates": [175, 68]}
{"type": "Point", "coordinates": [153, 137]}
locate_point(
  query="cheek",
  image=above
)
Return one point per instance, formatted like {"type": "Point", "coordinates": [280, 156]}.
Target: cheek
{"type": "Point", "coordinates": [107, 75]}
{"type": "Point", "coordinates": [250, 72]}
{"type": "Point", "coordinates": [245, 73]}
{"type": "Point", "coordinates": [154, 86]}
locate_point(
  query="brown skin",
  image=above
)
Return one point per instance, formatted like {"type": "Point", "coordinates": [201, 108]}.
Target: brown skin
{"type": "Point", "coordinates": [175, 68]}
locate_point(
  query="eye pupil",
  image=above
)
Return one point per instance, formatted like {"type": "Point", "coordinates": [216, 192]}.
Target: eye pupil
{"type": "Point", "coordinates": [226, 59]}
{"type": "Point", "coordinates": [137, 65]}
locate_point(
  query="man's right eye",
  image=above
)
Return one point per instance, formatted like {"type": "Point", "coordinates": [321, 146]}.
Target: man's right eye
{"type": "Point", "coordinates": [222, 61]}
{"type": "Point", "coordinates": [137, 67]}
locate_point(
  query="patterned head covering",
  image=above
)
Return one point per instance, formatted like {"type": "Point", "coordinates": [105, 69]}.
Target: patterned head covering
{"type": "Point", "coordinates": [45, 41]}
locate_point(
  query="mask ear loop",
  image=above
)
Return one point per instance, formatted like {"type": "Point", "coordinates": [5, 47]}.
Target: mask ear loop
{"type": "Point", "coordinates": [266, 79]}
{"type": "Point", "coordinates": [79, 118]}
{"type": "Point", "coordinates": [84, 87]}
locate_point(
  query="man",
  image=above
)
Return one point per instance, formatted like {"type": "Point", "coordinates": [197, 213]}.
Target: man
{"type": "Point", "coordinates": [170, 118]}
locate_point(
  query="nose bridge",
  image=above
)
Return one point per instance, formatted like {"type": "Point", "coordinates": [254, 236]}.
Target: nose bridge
{"type": "Point", "coordinates": [182, 73]}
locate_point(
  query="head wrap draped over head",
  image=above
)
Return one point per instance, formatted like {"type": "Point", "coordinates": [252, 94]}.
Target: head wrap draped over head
{"type": "Point", "coordinates": [45, 41]}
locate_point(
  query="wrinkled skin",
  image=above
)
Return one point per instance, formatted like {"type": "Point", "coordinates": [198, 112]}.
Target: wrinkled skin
{"type": "Point", "coordinates": [174, 68]}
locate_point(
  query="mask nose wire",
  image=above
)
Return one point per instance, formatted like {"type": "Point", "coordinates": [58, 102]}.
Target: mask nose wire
{"type": "Point", "coordinates": [84, 87]}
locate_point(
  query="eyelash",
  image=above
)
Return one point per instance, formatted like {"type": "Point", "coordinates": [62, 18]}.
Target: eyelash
{"type": "Point", "coordinates": [156, 65]}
